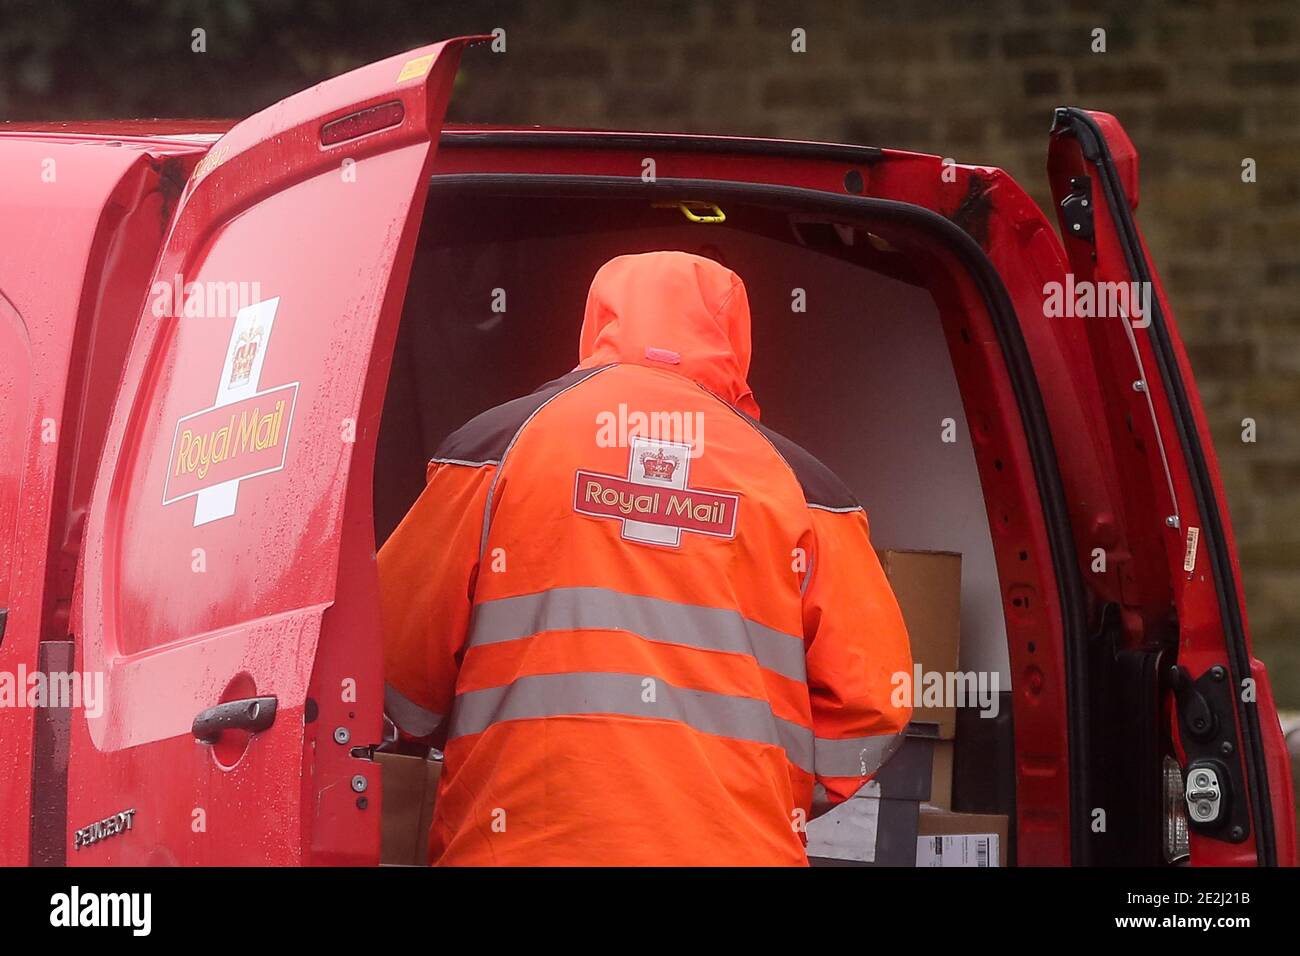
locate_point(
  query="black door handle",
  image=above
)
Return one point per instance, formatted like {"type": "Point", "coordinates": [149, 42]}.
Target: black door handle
{"type": "Point", "coordinates": [252, 714]}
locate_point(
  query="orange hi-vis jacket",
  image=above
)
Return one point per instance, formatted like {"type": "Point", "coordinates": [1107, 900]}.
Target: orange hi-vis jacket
{"type": "Point", "coordinates": [644, 624]}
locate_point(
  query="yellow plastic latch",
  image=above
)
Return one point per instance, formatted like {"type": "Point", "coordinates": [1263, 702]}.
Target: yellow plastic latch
{"type": "Point", "coordinates": [696, 210]}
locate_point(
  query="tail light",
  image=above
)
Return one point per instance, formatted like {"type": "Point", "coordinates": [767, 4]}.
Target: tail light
{"type": "Point", "coordinates": [360, 123]}
{"type": "Point", "coordinates": [1175, 813]}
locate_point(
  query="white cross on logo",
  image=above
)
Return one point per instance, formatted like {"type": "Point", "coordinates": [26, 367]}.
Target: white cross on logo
{"type": "Point", "coordinates": [219, 500]}
{"type": "Point", "coordinates": [680, 455]}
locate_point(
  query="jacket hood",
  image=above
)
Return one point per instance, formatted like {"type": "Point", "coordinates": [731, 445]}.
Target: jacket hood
{"type": "Point", "coordinates": [674, 311]}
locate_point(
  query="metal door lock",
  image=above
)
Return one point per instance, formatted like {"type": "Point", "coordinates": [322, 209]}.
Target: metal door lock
{"type": "Point", "coordinates": [1214, 782]}
{"type": "Point", "coordinates": [1204, 794]}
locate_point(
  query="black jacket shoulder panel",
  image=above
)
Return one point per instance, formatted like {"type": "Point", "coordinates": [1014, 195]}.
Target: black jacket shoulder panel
{"type": "Point", "coordinates": [822, 488]}
{"type": "Point", "coordinates": [483, 440]}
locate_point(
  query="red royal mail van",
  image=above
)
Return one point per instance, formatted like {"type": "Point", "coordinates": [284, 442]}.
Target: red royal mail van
{"type": "Point", "coordinates": [316, 287]}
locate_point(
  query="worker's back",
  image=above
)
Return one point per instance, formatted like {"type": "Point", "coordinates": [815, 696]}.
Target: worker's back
{"type": "Point", "coordinates": [650, 620]}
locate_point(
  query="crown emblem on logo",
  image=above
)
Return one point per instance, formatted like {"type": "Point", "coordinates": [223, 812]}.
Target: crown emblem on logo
{"type": "Point", "coordinates": [658, 465]}
{"type": "Point", "coordinates": [241, 368]}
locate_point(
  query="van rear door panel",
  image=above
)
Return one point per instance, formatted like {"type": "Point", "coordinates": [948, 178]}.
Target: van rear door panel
{"type": "Point", "coordinates": [1183, 585]}
{"type": "Point", "coordinates": [213, 543]}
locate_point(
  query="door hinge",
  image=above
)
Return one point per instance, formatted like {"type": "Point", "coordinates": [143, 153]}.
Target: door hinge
{"type": "Point", "coordinates": [1076, 209]}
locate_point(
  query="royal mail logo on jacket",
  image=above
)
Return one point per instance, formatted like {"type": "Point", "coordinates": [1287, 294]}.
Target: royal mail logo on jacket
{"type": "Point", "coordinates": [655, 502]}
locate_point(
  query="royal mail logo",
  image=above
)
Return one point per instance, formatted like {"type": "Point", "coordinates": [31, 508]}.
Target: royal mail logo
{"type": "Point", "coordinates": [246, 349]}
{"type": "Point", "coordinates": [242, 435]}
{"type": "Point", "coordinates": [654, 502]}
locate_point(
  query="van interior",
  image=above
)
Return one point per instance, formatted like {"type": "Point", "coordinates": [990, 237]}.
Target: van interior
{"type": "Point", "coordinates": [850, 360]}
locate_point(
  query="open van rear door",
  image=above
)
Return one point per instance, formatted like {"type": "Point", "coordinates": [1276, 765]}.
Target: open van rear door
{"type": "Point", "coordinates": [1217, 704]}
{"type": "Point", "coordinates": [227, 588]}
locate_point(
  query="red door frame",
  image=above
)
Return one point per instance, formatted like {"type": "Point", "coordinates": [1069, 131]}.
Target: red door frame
{"type": "Point", "coordinates": [1024, 250]}
{"type": "Point", "coordinates": [1027, 555]}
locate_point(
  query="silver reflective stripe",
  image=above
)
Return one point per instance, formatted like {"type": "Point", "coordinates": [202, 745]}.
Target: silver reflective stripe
{"type": "Point", "coordinates": [408, 715]}
{"type": "Point", "coordinates": [590, 693]}
{"type": "Point", "coordinates": [461, 461]}
{"type": "Point", "coordinates": [578, 609]}
{"type": "Point", "coordinates": [854, 756]}
{"type": "Point", "coordinates": [848, 509]}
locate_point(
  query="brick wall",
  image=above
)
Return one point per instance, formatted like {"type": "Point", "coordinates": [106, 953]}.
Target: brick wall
{"type": "Point", "coordinates": [1198, 85]}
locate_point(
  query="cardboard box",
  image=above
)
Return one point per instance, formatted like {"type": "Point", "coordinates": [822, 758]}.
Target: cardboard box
{"type": "Point", "coordinates": [946, 839]}
{"type": "Point", "coordinates": [941, 774]}
{"type": "Point", "coordinates": [410, 789]}
{"type": "Point", "coordinates": [927, 585]}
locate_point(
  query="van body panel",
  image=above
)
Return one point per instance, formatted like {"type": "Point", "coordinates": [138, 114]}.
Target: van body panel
{"type": "Point", "coordinates": [74, 273]}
